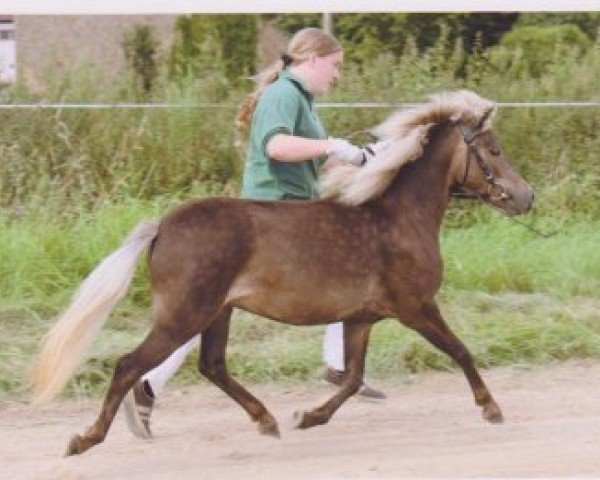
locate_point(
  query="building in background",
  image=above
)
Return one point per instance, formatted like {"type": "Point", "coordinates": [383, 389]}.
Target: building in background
{"type": "Point", "coordinates": [8, 62]}
{"type": "Point", "coordinates": [46, 46]}
{"type": "Point", "coordinates": [35, 49]}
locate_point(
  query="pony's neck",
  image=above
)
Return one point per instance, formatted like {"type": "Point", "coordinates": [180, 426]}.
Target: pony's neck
{"type": "Point", "coordinates": [419, 193]}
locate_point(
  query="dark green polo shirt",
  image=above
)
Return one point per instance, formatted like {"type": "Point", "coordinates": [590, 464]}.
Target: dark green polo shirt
{"type": "Point", "coordinates": [284, 107]}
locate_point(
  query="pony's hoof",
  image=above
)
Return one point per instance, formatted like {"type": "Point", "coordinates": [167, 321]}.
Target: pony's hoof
{"type": "Point", "coordinates": [76, 446]}
{"type": "Point", "coordinates": [269, 427]}
{"type": "Point", "coordinates": [493, 414]}
{"type": "Point", "coordinates": [303, 420]}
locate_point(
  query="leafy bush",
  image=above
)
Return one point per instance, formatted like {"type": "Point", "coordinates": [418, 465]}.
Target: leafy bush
{"type": "Point", "coordinates": [539, 47]}
{"type": "Point", "coordinates": [588, 22]}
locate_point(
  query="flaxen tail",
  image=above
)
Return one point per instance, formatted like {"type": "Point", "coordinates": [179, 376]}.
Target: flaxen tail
{"type": "Point", "coordinates": [69, 339]}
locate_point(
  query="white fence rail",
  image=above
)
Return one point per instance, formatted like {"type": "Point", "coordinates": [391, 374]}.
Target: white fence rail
{"type": "Point", "coordinates": [101, 106]}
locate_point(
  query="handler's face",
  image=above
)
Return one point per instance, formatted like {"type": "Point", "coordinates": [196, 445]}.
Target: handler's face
{"type": "Point", "coordinates": [326, 71]}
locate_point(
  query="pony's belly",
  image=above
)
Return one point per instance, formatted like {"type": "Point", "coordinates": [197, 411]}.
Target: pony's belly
{"type": "Point", "coordinates": [292, 310]}
{"type": "Point", "coordinates": [295, 308]}
{"type": "Point", "coordinates": [305, 300]}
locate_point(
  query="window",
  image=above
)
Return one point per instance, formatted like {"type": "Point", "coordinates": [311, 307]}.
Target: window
{"type": "Point", "coordinates": [7, 35]}
{"type": "Point", "coordinates": [8, 62]}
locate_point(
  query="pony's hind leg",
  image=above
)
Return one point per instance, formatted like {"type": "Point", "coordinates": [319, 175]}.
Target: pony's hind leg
{"type": "Point", "coordinates": [356, 339]}
{"type": "Point", "coordinates": [213, 366]}
{"type": "Point", "coordinates": [429, 323]}
{"type": "Point", "coordinates": [157, 346]}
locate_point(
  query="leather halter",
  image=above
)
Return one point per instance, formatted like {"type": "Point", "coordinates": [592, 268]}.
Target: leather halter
{"type": "Point", "coordinates": [469, 135]}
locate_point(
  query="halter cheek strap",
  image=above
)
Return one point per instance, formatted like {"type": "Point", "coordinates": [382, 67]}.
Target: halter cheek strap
{"type": "Point", "coordinates": [469, 135]}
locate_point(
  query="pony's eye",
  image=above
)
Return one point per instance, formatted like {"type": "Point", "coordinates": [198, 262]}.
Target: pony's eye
{"type": "Point", "coordinates": [495, 151]}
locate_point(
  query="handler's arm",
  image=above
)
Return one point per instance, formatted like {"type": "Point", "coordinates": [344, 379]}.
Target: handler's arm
{"type": "Point", "coordinates": [290, 148]}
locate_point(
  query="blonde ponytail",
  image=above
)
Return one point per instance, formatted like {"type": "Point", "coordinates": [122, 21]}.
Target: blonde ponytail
{"type": "Point", "coordinates": [247, 107]}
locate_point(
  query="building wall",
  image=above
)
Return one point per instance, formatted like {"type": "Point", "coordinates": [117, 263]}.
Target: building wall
{"type": "Point", "coordinates": [48, 45]}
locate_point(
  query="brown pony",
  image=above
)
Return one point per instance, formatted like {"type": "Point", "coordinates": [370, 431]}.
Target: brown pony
{"type": "Point", "coordinates": [369, 250]}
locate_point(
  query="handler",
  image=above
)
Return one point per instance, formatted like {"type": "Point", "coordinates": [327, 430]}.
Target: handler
{"type": "Point", "coordinates": [287, 146]}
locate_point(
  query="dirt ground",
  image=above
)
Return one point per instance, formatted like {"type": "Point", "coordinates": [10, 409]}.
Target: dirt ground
{"type": "Point", "coordinates": [426, 428]}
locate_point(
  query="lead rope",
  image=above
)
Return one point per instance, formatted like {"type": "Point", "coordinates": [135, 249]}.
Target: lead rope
{"type": "Point", "coordinates": [533, 229]}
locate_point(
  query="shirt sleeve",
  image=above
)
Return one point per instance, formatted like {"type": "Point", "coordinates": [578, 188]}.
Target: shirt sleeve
{"type": "Point", "coordinates": [276, 113]}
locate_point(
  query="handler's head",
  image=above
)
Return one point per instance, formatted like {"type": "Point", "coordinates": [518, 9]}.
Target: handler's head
{"type": "Point", "coordinates": [316, 57]}
{"type": "Point", "coordinates": [312, 54]}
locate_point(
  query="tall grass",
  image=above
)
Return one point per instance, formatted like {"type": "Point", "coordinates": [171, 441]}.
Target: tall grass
{"type": "Point", "coordinates": [84, 157]}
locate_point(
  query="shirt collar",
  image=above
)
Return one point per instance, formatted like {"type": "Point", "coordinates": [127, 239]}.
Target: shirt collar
{"type": "Point", "coordinates": [286, 74]}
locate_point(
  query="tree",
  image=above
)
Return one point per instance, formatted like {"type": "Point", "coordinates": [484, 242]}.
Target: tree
{"type": "Point", "coordinates": [208, 43]}
{"type": "Point", "coordinates": [588, 22]}
{"type": "Point", "coordinates": [365, 35]}
{"type": "Point", "coordinates": [139, 47]}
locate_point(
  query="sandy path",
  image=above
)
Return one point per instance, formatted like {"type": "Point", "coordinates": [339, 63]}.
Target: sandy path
{"type": "Point", "coordinates": [429, 428]}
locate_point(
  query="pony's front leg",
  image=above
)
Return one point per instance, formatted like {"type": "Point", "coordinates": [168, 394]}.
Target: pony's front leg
{"type": "Point", "coordinates": [428, 321]}
{"type": "Point", "coordinates": [155, 348]}
{"type": "Point", "coordinates": [356, 339]}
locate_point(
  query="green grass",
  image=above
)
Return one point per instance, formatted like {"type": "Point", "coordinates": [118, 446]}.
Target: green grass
{"type": "Point", "coordinates": [502, 256]}
{"type": "Point", "coordinates": [44, 256]}
{"type": "Point", "coordinates": [500, 329]}
{"type": "Point", "coordinates": [511, 296]}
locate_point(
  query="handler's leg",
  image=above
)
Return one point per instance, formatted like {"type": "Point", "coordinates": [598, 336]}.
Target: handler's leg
{"type": "Point", "coordinates": [333, 346]}
{"type": "Point", "coordinates": [159, 376]}
{"type": "Point", "coordinates": [139, 401]}
{"type": "Point", "coordinates": [333, 356]}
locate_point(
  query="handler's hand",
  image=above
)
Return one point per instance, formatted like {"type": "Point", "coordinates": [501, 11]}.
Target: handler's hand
{"type": "Point", "coordinates": [373, 149]}
{"type": "Point", "coordinates": [344, 150]}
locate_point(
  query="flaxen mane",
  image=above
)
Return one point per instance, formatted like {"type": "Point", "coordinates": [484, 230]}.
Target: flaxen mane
{"type": "Point", "coordinates": [407, 131]}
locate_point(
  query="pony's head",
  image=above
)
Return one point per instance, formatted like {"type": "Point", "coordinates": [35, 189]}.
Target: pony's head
{"type": "Point", "coordinates": [480, 168]}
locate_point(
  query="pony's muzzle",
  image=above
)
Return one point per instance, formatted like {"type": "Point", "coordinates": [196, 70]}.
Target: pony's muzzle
{"type": "Point", "coordinates": [513, 199]}
{"type": "Point", "coordinates": [522, 200]}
